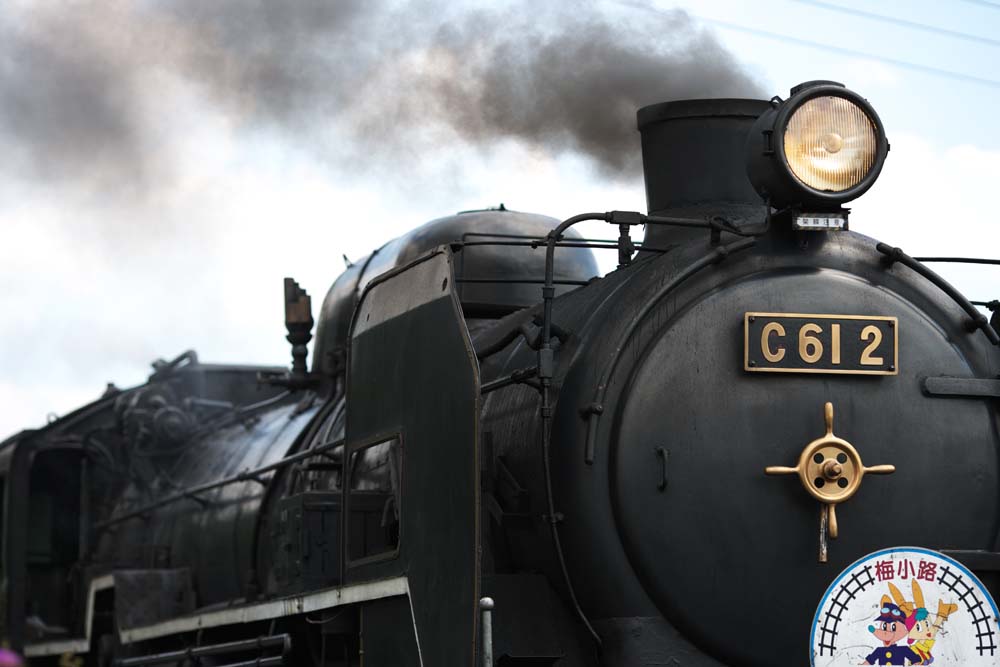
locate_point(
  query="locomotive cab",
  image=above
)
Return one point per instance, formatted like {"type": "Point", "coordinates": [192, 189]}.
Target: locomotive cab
{"type": "Point", "coordinates": [43, 529]}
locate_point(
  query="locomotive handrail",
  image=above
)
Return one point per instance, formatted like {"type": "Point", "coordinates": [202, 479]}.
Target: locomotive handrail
{"type": "Point", "coordinates": [624, 220]}
{"type": "Point", "coordinates": [600, 244]}
{"type": "Point", "coordinates": [553, 240]}
{"type": "Point", "coordinates": [528, 239]}
{"type": "Point", "coordinates": [486, 606]}
{"type": "Point", "coordinates": [959, 260]}
{"type": "Point", "coordinates": [526, 281]}
{"type": "Point", "coordinates": [978, 320]}
{"type": "Point", "coordinates": [193, 492]}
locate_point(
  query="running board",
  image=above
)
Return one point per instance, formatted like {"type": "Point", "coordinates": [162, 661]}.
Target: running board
{"type": "Point", "coordinates": [259, 646]}
{"type": "Point", "coordinates": [264, 610]}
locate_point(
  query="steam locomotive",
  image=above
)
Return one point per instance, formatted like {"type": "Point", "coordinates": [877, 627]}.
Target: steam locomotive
{"type": "Point", "coordinates": [497, 457]}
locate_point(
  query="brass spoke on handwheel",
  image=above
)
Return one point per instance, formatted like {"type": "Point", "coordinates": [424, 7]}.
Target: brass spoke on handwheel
{"type": "Point", "coordinates": [831, 470]}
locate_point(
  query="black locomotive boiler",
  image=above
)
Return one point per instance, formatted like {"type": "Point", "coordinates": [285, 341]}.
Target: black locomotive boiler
{"type": "Point", "coordinates": [486, 418]}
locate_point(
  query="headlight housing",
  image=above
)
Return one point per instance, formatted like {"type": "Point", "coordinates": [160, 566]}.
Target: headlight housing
{"type": "Point", "coordinates": [820, 148]}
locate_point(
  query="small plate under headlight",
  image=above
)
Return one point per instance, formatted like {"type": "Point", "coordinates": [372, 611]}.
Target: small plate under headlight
{"type": "Point", "coordinates": [821, 221]}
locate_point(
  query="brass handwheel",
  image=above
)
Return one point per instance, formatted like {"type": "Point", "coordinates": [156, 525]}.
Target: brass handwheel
{"type": "Point", "coordinates": [831, 470]}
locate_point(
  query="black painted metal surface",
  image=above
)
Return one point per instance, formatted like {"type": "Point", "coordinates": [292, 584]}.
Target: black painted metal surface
{"type": "Point", "coordinates": [388, 634]}
{"type": "Point", "coordinates": [214, 537]}
{"type": "Point", "coordinates": [110, 456]}
{"type": "Point", "coordinates": [413, 376]}
{"type": "Point", "coordinates": [306, 541]}
{"type": "Point", "coordinates": [486, 271]}
{"type": "Point", "coordinates": [144, 597]}
{"type": "Point", "coordinates": [648, 641]}
{"type": "Point", "coordinates": [720, 536]}
{"type": "Point", "coordinates": [692, 156]}
{"type": "Point", "coordinates": [532, 625]}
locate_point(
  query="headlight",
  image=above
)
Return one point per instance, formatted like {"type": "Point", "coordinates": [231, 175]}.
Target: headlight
{"type": "Point", "coordinates": [830, 144]}
{"type": "Point", "coordinates": [822, 147]}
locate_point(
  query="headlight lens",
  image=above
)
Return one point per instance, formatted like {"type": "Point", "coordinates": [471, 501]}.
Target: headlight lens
{"type": "Point", "coordinates": [830, 144]}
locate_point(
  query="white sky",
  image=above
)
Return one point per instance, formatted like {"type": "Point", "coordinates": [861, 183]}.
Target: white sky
{"type": "Point", "coordinates": [96, 283]}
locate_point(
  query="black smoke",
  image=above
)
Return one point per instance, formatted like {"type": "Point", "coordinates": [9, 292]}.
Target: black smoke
{"type": "Point", "coordinates": [577, 87]}
{"type": "Point", "coordinates": [68, 101]}
{"type": "Point", "coordinates": [86, 90]}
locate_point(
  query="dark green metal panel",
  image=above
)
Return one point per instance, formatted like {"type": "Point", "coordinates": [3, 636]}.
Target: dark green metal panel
{"type": "Point", "coordinates": [412, 374]}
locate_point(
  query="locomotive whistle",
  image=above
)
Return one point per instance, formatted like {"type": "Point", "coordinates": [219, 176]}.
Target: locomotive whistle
{"type": "Point", "coordinates": [831, 470]}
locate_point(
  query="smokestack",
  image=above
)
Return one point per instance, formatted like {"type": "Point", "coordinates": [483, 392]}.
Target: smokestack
{"type": "Point", "coordinates": [694, 163]}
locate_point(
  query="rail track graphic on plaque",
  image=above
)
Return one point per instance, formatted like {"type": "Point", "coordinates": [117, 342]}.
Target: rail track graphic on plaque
{"type": "Point", "coordinates": [906, 606]}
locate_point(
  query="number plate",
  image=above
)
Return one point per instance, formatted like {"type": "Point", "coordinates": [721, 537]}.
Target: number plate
{"type": "Point", "coordinates": [803, 343]}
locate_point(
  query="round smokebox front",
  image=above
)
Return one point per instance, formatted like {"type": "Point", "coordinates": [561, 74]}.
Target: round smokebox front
{"type": "Point", "coordinates": [731, 555]}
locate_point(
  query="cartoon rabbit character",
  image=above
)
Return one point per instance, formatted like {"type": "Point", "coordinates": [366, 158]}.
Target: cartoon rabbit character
{"type": "Point", "coordinates": [923, 628]}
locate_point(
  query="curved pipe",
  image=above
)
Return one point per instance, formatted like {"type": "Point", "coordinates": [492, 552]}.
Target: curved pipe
{"type": "Point", "coordinates": [979, 320]}
{"type": "Point", "coordinates": [545, 376]}
{"type": "Point", "coordinates": [959, 260]}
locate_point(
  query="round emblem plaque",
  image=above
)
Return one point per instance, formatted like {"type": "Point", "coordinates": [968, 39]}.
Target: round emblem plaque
{"type": "Point", "coordinates": [906, 606]}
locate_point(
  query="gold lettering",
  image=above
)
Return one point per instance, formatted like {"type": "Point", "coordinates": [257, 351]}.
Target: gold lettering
{"type": "Point", "coordinates": [835, 343]}
{"type": "Point", "coordinates": [765, 343]}
{"type": "Point", "coordinates": [873, 334]}
{"type": "Point", "coordinates": [810, 347]}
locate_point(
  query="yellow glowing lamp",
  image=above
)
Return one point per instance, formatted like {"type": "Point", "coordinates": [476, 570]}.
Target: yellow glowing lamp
{"type": "Point", "coordinates": [830, 144]}
{"type": "Point", "coordinates": [818, 149]}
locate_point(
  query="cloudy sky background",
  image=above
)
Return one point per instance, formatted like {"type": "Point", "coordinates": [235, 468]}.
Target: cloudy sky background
{"type": "Point", "coordinates": [166, 162]}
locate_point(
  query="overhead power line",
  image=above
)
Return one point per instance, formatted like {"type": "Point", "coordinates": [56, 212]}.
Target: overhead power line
{"type": "Point", "coordinates": [902, 22]}
{"type": "Point", "coordinates": [822, 46]}
{"type": "Point", "coordinates": [917, 67]}
{"type": "Point", "coordinates": [984, 3]}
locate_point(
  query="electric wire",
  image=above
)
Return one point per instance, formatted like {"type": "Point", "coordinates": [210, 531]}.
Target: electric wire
{"type": "Point", "coordinates": [822, 46]}
{"type": "Point", "coordinates": [904, 64]}
{"type": "Point", "coordinates": [900, 22]}
{"type": "Point", "coordinates": [984, 3]}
